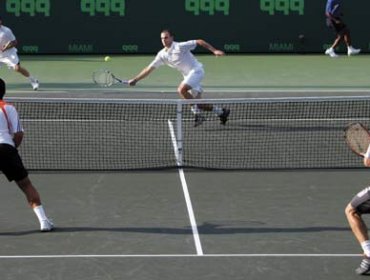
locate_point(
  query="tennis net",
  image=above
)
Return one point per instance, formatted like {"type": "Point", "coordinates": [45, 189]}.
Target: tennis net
{"type": "Point", "coordinates": [116, 134]}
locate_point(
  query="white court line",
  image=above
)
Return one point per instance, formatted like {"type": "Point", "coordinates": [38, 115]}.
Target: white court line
{"type": "Point", "coordinates": [187, 119]}
{"type": "Point", "coordinates": [209, 90]}
{"type": "Point", "coordinates": [185, 189]}
{"type": "Point", "coordinates": [184, 256]}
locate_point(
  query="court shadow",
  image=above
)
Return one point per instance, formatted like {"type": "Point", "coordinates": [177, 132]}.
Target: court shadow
{"type": "Point", "coordinates": [205, 228]}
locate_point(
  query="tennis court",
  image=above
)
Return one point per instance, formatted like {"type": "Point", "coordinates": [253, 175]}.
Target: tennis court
{"type": "Point", "coordinates": [191, 223]}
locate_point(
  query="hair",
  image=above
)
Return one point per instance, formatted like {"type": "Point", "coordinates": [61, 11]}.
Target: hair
{"type": "Point", "coordinates": [2, 88]}
{"type": "Point", "coordinates": [166, 30]}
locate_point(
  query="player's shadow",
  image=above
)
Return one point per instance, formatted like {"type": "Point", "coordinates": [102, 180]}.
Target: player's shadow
{"type": "Point", "coordinates": [205, 228]}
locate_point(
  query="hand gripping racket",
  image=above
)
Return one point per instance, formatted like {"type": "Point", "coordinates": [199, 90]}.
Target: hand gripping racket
{"type": "Point", "coordinates": [357, 138]}
{"type": "Point", "coordinates": [105, 78]}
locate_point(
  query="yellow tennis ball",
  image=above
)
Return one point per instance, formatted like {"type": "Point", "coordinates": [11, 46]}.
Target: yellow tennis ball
{"type": "Point", "coordinates": [107, 58]}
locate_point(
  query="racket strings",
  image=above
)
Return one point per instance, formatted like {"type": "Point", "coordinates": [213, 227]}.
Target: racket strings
{"type": "Point", "coordinates": [103, 78]}
{"type": "Point", "coordinates": [358, 139]}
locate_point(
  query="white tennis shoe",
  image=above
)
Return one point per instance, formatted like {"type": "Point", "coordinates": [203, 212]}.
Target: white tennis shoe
{"type": "Point", "coordinates": [35, 84]}
{"type": "Point", "coordinates": [46, 225]}
{"type": "Point", "coordinates": [353, 51]}
{"type": "Point", "coordinates": [199, 119]}
{"type": "Point", "coordinates": [330, 52]}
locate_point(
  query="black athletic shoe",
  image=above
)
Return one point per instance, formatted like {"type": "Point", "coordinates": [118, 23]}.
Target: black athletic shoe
{"type": "Point", "coordinates": [364, 267]}
{"type": "Point", "coordinates": [225, 114]}
{"type": "Point", "coordinates": [199, 119]}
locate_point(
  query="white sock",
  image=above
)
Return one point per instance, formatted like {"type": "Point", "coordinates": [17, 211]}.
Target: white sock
{"type": "Point", "coordinates": [366, 247]}
{"type": "Point", "coordinates": [217, 110]}
{"type": "Point", "coordinates": [40, 213]}
{"type": "Point", "coordinates": [32, 79]}
{"type": "Point", "coordinates": [195, 109]}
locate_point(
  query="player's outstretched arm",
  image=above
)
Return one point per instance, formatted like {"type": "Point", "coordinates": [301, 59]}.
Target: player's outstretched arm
{"type": "Point", "coordinates": [144, 73]}
{"type": "Point", "coordinates": [209, 47]}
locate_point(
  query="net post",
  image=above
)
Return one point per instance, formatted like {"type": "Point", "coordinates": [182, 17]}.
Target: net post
{"type": "Point", "coordinates": [179, 133]}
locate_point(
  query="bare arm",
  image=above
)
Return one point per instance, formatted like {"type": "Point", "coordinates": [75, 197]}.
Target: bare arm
{"type": "Point", "coordinates": [17, 138]}
{"type": "Point", "coordinates": [144, 73]}
{"type": "Point", "coordinates": [209, 47]}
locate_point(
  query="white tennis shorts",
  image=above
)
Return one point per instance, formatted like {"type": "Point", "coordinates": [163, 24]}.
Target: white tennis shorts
{"type": "Point", "coordinates": [194, 79]}
{"type": "Point", "coordinates": [9, 58]}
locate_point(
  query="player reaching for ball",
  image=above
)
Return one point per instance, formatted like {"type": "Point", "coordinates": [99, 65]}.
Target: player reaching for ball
{"type": "Point", "coordinates": [9, 56]}
{"type": "Point", "coordinates": [178, 55]}
{"type": "Point", "coordinates": [334, 20]}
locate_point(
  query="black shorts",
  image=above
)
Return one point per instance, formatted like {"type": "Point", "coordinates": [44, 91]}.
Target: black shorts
{"type": "Point", "coordinates": [11, 163]}
{"type": "Point", "coordinates": [339, 28]}
{"type": "Point", "coordinates": [361, 201]}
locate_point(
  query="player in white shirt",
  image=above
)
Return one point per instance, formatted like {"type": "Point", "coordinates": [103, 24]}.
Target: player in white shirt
{"type": "Point", "coordinates": [11, 135]}
{"type": "Point", "coordinates": [178, 56]}
{"type": "Point", "coordinates": [356, 208]}
{"type": "Point", "coordinates": [9, 56]}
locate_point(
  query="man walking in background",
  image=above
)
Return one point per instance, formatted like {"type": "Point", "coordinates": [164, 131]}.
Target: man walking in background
{"type": "Point", "coordinates": [334, 20]}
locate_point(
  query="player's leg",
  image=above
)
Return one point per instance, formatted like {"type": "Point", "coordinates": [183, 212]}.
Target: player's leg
{"type": "Point", "coordinates": [23, 71]}
{"type": "Point", "coordinates": [339, 29]}
{"type": "Point", "coordinates": [357, 225]}
{"type": "Point", "coordinates": [34, 201]}
{"type": "Point", "coordinates": [192, 85]}
{"type": "Point", "coordinates": [184, 91]}
{"type": "Point", "coordinates": [348, 40]}
{"type": "Point", "coordinates": [331, 51]}
{"type": "Point", "coordinates": [358, 206]}
{"type": "Point", "coordinates": [12, 61]}
{"type": "Point", "coordinates": [14, 170]}
{"type": "Point", "coordinates": [30, 192]}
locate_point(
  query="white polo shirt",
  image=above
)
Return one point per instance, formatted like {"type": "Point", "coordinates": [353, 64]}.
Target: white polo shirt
{"type": "Point", "coordinates": [6, 135]}
{"type": "Point", "coordinates": [178, 56]}
{"type": "Point", "coordinates": [6, 35]}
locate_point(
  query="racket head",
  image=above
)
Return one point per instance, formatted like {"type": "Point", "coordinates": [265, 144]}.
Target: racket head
{"type": "Point", "coordinates": [357, 137]}
{"type": "Point", "coordinates": [103, 78]}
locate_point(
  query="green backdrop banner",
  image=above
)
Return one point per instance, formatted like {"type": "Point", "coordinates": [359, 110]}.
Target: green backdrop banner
{"type": "Point", "coordinates": [133, 26]}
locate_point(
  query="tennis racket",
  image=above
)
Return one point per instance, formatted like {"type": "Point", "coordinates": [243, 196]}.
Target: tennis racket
{"type": "Point", "coordinates": [105, 78]}
{"type": "Point", "coordinates": [4, 48]}
{"type": "Point", "coordinates": [357, 138]}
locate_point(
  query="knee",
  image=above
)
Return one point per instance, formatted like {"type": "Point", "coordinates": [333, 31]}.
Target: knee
{"type": "Point", "coordinates": [181, 90]}
{"type": "Point", "coordinates": [184, 92]}
{"type": "Point", "coordinates": [350, 211]}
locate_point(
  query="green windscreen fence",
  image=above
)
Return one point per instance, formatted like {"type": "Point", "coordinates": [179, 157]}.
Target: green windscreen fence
{"type": "Point", "coordinates": [133, 26]}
